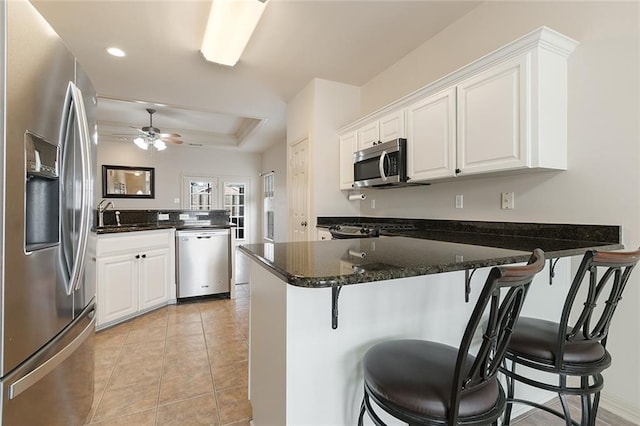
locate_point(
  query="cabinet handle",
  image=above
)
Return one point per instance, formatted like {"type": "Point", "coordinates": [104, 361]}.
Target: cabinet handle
{"type": "Point", "coordinates": [458, 171]}
{"type": "Point", "coordinates": [137, 256]}
{"type": "Point", "coordinates": [144, 256]}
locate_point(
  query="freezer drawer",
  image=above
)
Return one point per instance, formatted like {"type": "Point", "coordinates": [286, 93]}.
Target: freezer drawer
{"type": "Point", "coordinates": [55, 386]}
{"type": "Point", "coordinates": [204, 262]}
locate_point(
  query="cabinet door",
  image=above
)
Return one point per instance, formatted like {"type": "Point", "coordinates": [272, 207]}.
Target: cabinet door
{"type": "Point", "coordinates": [368, 135]}
{"type": "Point", "coordinates": [347, 148]}
{"type": "Point", "coordinates": [492, 114]}
{"type": "Point", "coordinates": [392, 126]}
{"type": "Point", "coordinates": [117, 287]}
{"type": "Point", "coordinates": [431, 137]}
{"type": "Point", "coordinates": [155, 279]}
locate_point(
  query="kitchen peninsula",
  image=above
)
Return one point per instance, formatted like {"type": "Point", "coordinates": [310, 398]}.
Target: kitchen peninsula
{"type": "Point", "coordinates": [317, 306]}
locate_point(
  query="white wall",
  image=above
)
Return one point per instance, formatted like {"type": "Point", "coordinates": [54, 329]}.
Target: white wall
{"type": "Point", "coordinates": [601, 185]}
{"type": "Point", "coordinates": [170, 165]}
{"type": "Point", "coordinates": [317, 112]}
{"type": "Point", "coordinates": [275, 158]}
{"type": "Point", "coordinates": [335, 104]}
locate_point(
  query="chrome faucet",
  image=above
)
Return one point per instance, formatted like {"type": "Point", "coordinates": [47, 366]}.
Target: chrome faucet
{"type": "Point", "coordinates": [102, 207]}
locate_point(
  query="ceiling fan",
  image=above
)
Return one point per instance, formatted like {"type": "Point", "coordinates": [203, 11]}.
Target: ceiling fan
{"type": "Point", "coordinates": [152, 136]}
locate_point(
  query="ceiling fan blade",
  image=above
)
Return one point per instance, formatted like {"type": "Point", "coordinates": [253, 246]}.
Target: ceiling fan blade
{"type": "Point", "coordinates": [139, 130]}
{"type": "Point", "coordinates": [170, 135]}
{"type": "Point", "coordinates": [172, 140]}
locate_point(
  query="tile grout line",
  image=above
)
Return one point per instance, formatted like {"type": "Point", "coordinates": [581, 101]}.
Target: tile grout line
{"type": "Point", "coordinates": [164, 354]}
{"type": "Point", "coordinates": [113, 368]}
{"type": "Point", "coordinates": [213, 379]}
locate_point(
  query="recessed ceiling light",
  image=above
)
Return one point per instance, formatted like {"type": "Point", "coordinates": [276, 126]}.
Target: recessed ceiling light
{"type": "Point", "coordinates": [114, 51]}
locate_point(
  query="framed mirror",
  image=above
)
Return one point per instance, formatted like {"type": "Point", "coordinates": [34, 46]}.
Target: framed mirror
{"type": "Point", "coordinates": [128, 182]}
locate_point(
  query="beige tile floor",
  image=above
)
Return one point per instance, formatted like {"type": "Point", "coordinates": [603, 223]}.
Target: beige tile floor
{"type": "Point", "coordinates": [542, 418]}
{"type": "Point", "coordinates": [179, 365]}
{"type": "Point", "coordinates": [187, 365]}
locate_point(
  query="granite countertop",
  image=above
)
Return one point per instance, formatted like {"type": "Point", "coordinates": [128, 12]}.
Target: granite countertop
{"type": "Point", "coordinates": [115, 229]}
{"type": "Point", "coordinates": [333, 263]}
{"type": "Point", "coordinates": [553, 247]}
{"type": "Point", "coordinates": [340, 262]}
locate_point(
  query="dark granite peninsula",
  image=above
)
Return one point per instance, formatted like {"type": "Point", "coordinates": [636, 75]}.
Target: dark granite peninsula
{"type": "Point", "coordinates": [317, 306]}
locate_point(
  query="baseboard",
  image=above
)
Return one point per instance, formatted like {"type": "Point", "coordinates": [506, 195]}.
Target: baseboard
{"type": "Point", "coordinates": [620, 408]}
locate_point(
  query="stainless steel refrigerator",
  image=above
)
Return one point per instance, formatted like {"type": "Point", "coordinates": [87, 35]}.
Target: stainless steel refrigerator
{"type": "Point", "coordinates": [47, 154]}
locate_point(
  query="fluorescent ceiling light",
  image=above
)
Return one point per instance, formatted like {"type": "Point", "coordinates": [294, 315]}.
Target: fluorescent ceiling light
{"type": "Point", "coordinates": [115, 51]}
{"type": "Point", "coordinates": [230, 25]}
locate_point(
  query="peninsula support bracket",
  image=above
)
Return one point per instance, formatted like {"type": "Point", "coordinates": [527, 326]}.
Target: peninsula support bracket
{"type": "Point", "coordinates": [552, 269]}
{"type": "Point", "coordinates": [335, 293]}
{"type": "Point", "coordinates": [467, 283]}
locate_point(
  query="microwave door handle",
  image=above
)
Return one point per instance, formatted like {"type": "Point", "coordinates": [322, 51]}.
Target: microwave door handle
{"type": "Point", "coordinates": [383, 175]}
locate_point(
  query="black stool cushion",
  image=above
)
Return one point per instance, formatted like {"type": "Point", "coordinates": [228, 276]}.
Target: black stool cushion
{"type": "Point", "coordinates": [417, 376]}
{"type": "Point", "coordinates": [536, 338]}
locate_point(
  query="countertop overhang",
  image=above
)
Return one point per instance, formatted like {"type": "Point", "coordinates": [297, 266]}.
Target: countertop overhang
{"type": "Point", "coordinates": [334, 263]}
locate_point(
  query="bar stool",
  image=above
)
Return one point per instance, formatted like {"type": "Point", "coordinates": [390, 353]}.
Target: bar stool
{"type": "Point", "coordinates": [429, 383]}
{"type": "Point", "coordinates": [577, 350]}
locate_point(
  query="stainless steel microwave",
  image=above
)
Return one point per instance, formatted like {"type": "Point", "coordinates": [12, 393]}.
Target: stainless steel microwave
{"type": "Point", "coordinates": [384, 164]}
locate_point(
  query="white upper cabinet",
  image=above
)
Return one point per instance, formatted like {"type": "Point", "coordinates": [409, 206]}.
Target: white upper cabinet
{"type": "Point", "coordinates": [493, 119]}
{"type": "Point", "coordinates": [431, 137]}
{"type": "Point", "coordinates": [388, 128]}
{"type": "Point", "coordinates": [392, 126]}
{"type": "Point", "coordinates": [368, 135]}
{"type": "Point", "coordinates": [504, 112]}
{"type": "Point", "coordinates": [348, 145]}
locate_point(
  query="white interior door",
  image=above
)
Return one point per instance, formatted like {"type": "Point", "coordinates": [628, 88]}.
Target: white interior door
{"type": "Point", "coordinates": [299, 191]}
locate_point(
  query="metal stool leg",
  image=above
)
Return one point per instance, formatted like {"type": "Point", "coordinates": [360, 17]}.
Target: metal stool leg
{"type": "Point", "coordinates": [510, 393]}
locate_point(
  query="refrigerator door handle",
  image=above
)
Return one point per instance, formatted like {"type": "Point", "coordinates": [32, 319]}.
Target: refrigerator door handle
{"type": "Point", "coordinates": [74, 109]}
{"type": "Point", "coordinates": [24, 383]}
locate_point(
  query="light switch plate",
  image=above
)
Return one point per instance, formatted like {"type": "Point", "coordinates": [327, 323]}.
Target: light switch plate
{"type": "Point", "coordinates": [459, 201]}
{"type": "Point", "coordinates": [184, 216]}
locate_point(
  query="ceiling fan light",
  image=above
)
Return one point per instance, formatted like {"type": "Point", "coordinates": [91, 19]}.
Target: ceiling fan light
{"type": "Point", "coordinates": [140, 143]}
{"type": "Point", "coordinates": [159, 145]}
{"type": "Point", "coordinates": [229, 28]}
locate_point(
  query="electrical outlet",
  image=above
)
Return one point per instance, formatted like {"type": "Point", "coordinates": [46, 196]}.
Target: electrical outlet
{"type": "Point", "coordinates": [176, 201]}
{"type": "Point", "coordinates": [508, 200]}
{"type": "Point", "coordinates": [373, 204]}
{"type": "Point", "coordinates": [184, 216]}
{"type": "Point", "coordinates": [163, 216]}
{"type": "Point", "coordinates": [459, 201]}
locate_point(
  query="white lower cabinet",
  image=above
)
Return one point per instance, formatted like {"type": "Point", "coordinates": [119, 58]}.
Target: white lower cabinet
{"type": "Point", "coordinates": [134, 273]}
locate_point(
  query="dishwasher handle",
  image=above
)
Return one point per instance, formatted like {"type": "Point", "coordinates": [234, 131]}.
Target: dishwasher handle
{"type": "Point", "coordinates": [203, 234]}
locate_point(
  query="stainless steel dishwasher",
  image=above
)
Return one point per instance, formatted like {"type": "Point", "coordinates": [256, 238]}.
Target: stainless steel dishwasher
{"type": "Point", "coordinates": [204, 262]}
